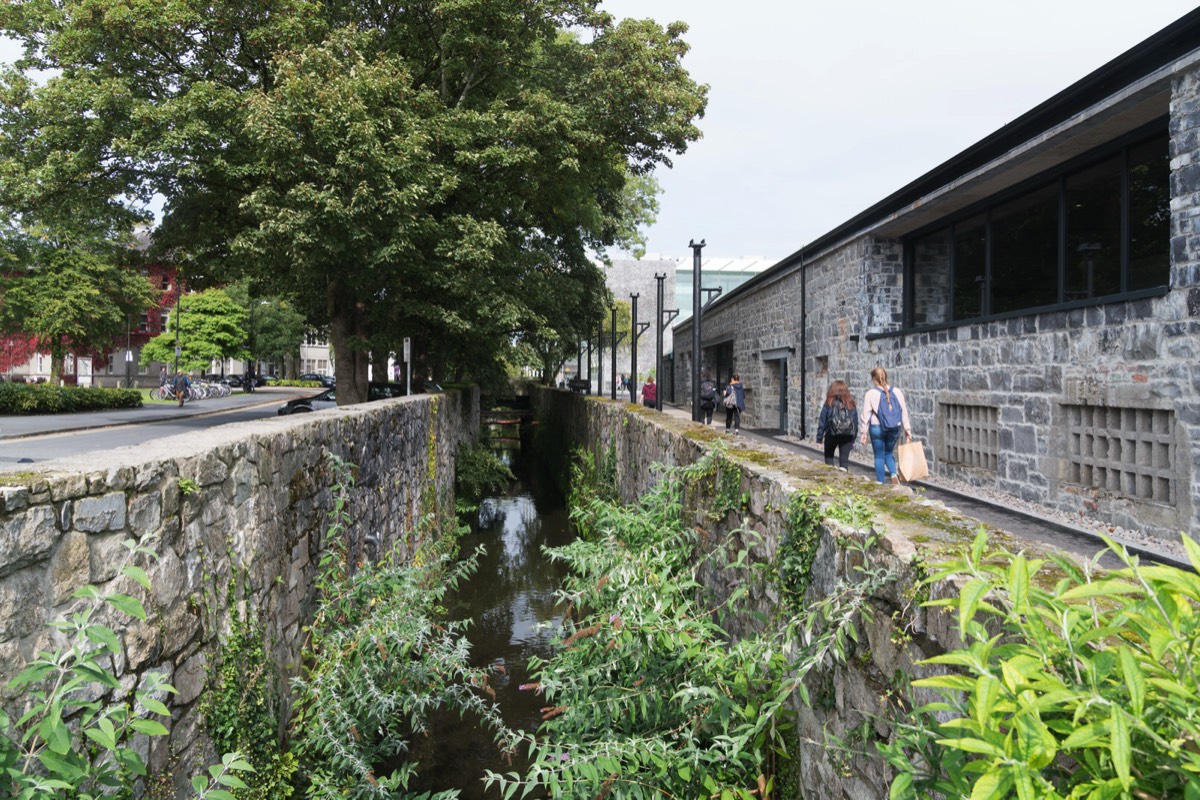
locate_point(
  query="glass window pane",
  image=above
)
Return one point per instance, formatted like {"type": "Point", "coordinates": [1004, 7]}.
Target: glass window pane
{"type": "Point", "coordinates": [1024, 246]}
{"type": "Point", "coordinates": [970, 249]}
{"type": "Point", "coordinates": [931, 279]}
{"type": "Point", "coordinates": [1149, 215]}
{"type": "Point", "coordinates": [1093, 267]}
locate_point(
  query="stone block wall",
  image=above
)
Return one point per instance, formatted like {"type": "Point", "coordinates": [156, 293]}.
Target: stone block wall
{"type": "Point", "coordinates": [252, 498]}
{"type": "Point", "coordinates": [895, 639]}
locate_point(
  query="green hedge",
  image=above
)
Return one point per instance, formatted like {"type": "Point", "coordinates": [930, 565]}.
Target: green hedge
{"type": "Point", "coordinates": [19, 398]}
{"type": "Point", "coordinates": [301, 384]}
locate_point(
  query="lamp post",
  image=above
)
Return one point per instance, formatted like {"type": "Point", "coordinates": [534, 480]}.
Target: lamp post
{"type": "Point", "coordinates": [178, 322]}
{"type": "Point", "coordinates": [664, 319]}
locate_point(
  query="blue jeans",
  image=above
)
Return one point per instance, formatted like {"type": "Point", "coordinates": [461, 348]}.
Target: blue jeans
{"type": "Point", "coordinates": [884, 444]}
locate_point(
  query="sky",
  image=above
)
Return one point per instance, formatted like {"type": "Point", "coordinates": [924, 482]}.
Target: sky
{"type": "Point", "coordinates": [818, 110]}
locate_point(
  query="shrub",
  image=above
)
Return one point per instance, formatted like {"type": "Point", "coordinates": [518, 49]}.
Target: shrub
{"type": "Point", "coordinates": [381, 659]}
{"type": "Point", "coordinates": [1076, 685]}
{"type": "Point", "coordinates": [22, 399]}
{"type": "Point", "coordinates": [75, 739]}
{"type": "Point", "coordinates": [646, 695]}
{"type": "Point", "coordinates": [477, 472]}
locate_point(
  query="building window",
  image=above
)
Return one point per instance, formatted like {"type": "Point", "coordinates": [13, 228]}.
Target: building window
{"type": "Point", "coordinates": [1125, 451]}
{"type": "Point", "coordinates": [165, 283]}
{"type": "Point", "coordinates": [1088, 233]}
{"type": "Point", "coordinates": [144, 323]}
{"type": "Point", "coordinates": [970, 435]}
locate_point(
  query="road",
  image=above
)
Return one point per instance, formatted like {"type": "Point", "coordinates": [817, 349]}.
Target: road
{"type": "Point", "coordinates": [25, 440]}
{"type": "Point", "coordinates": [72, 443]}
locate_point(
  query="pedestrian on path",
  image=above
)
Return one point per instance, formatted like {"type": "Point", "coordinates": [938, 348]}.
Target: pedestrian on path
{"type": "Point", "coordinates": [708, 398]}
{"type": "Point", "coordinates": [884, 417]}
{"type": "Point", "coordinates": [735, 404]}
{"type": "Point", "coordinates": [650, 393]}
{"type": "Point", "coordinates": [182, 384]}
{"type": "Point", "coordinates": [838, 424]}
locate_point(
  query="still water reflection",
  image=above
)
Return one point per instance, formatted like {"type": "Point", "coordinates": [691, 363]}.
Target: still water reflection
{"type": "Point", "coordinates": [511, 600]}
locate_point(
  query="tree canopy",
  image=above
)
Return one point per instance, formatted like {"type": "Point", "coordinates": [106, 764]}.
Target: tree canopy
{"type": "Point", "coordinates": [211, 327]}
{"type": "Point", "coordinates": [69, 292]}
{"type": "Point", "coordinates": [438, 169]}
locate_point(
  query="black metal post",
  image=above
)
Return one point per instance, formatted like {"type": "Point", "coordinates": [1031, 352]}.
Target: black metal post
{"type": "Point", "coordinates": [600, 360]}
{"type": "Point", "coordinates": [579, 362]}
{"type": "Point", "coordinates": [696, 310]}
{"type": "Point", "coordinates": [613, 309]}
{"type": "Point", "coordinates": [658, 339]}
{"type": "Point", "coordinates": [588, 390]}
{"type": "Point", "coordinates": [635, 334]}
{"type": "Point", "coordinates": [664, 319]}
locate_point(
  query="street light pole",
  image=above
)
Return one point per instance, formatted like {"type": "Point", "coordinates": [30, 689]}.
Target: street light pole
{"type": "Point", "coordinates": [696, 248]}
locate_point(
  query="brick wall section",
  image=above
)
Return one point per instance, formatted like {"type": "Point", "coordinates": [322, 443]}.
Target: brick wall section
{"type": "Point", "coordinates": [261, 507]}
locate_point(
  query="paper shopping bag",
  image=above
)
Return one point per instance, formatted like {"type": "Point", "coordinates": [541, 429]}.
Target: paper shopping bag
{"type": "Point", "coordinates": [910, 461]}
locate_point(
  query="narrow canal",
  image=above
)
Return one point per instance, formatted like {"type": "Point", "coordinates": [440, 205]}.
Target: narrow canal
{"type": "Point", "coordinates": [511, 600]}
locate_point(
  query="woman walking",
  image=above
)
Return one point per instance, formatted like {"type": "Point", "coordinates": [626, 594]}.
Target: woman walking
{"type": "Point", "coordinates": [735, 404]}
{"type": "Point", "coordinates": [884, 415]}
{"type": "Point", "coordinates": [838, 425]}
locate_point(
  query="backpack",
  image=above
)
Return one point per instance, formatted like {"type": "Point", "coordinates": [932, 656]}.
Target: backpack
{"type": "Point", "coordinates": [708, 392]}
{"type": "Point", "coordinates": [730, 398]}
{"type": "Point", "coordinates": [841, 421]}
{"type": "Point", "coordinates": [891, 416]}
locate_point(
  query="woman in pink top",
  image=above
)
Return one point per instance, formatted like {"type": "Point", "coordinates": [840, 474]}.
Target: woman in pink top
{"type": "Point", "coordinates": [884, 415]}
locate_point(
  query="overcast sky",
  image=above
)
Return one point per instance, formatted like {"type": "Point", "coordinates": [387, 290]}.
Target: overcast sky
{"type": "Point", "coordinates": [817, 110]}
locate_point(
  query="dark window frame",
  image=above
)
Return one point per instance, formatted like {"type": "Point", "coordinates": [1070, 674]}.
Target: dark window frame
{"type": "Point", "coordinates": [1056, 177]}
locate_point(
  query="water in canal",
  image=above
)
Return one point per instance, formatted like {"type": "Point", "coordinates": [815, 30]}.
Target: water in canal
{"type": "Point", "coordinates": [511, 600]}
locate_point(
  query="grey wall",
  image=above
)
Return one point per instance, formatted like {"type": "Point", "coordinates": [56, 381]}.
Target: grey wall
{"type": "Point", "coordinates": [261, 508]}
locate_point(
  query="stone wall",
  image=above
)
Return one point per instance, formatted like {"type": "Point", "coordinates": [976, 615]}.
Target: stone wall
{"type": "Point", "coordinates": [252, 498]}
{"type": "Point", "coordinates": [897, 636]}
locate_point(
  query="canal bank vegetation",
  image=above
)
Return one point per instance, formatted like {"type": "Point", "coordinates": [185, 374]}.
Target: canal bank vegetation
{"type": "Point", "coordinates": [1087, 688]}
{"type": "Point", "coordinates": [647, 694]}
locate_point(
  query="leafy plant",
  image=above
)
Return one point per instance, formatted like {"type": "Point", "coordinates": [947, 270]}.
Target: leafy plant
{"type": "Point", "coordinates": [188, 487]}
{"type": "Point", "coordinates": [478, 471]}
{"type": "Point", "coordinates": [1070, 684]}
{"type": "Point", "coordinates": [380, 660]}
{"type": "Point", "coordinates": [240, 714]}
{"type": "Point", "coordinates": [76, 737]}
{"type": "Point", "coordinates": [715, 483]}
{"type": "Point", "coordinates": [647, 695]}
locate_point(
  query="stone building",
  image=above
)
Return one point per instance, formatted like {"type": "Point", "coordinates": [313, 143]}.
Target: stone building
{"type": "Point", "coordinates": [1037, 298]}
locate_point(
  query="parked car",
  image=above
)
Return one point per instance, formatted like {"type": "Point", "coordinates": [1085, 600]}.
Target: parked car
{"type": "Point", "coordinates": [326, 399]}
{"type": "Point", "coordinates": [327, 381]}
{"type": "Point", "coordinates": [232, 380]}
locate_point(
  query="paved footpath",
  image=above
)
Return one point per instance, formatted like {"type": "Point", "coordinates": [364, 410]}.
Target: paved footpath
{"type": "Point", "coordinates": [17, 427]}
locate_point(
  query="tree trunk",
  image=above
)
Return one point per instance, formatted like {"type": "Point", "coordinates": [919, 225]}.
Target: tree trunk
{"type": "Point", "coordinates": [347, 333]}
{"type": "Point", "coordinates": [379, 364]}
{"type": "Point", "coordinates": [58, 355]}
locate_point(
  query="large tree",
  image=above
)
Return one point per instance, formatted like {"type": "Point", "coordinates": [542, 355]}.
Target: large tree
{"type": "Point", "coordinates": [72, 292]}
{"type": "Point", "coordinates": [402, 168]}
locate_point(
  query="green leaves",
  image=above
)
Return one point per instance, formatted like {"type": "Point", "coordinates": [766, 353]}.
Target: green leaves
{"type": "Point", "coordinates": [74, 735]}
{"type": "Point", "coordinates": [1088, 690]}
